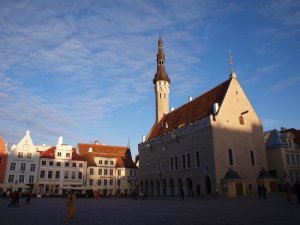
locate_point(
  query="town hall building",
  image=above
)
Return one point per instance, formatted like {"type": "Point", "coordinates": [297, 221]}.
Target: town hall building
{"type": "Point", "coordinates": [212, 145]}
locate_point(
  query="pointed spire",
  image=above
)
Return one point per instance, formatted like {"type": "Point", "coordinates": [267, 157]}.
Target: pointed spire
{"type": "Point", "coordinates": [232, 73]}
{"type": "Point", "coordinates": [161, 73]}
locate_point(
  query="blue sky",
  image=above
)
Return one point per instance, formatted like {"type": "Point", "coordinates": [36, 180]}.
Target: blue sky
{"type": "Point", "coordinates": [84, 69]}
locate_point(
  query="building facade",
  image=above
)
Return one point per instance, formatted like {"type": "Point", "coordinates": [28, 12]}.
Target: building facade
{"type": "Point", "coordinates": [283, 154]}
{"type": "Point", "coordinates": [210, 145]}
{"type": "Point", "coordinates": [61, 169]}
{"type": "Point", "coordinates": [22, 165]}
{"type": "Point", "coordinates": [110, 169]}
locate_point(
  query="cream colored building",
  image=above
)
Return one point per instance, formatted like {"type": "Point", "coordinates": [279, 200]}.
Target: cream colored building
{"type": "Point", "coordinates": [210, 145]}
{"type": "Point", "coordinates": [283, 154]}
{"type": "Point", "coordinates": [110, 169]}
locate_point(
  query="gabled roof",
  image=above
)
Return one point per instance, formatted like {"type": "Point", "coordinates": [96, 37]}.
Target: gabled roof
{"type": "Point", "coordinates": [275, 138]}
{"type": "Point", "coordinates": [122, 154]}
{"type": "Point", "coordinates": [190, 112]}
{"type": "Point", "coordinates": [50, 154]}
{"type": "Point", "coordinates": [295, 132]}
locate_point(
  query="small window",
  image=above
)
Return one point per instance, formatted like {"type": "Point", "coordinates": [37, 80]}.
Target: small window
{"type": "Point", "coordinates": [20, 154]}
{"type": "Point", "coordinates": [49, 174]}
{"type": "Point", "coordinates": [183, 162]}
{"type": "Point", "coordinates": [91, 171]}
{"type": "Point", "coordinates": [42, 174]}
{"type": "Point", "coordinates": [230, 156]}
{"type": "Point", "coordinates": [99, 171]}
{"type": "Point", "coordinates": [58, 163]}
{"type": "Point", "coordinates": [91, 182]}
{"type": "Point", "coordinates": [188, 157]}
{"type": "Point", "coordinates": [112, 163]}
{"type": "Point", "coordinates": [50, 163]}
{"type": "Point", "coordinates": [197, 159]}
{"type": "Point", "coordinates": [58, 153]}
{"type": "Point", "coordinates": [67, 154]}
{"type": "Point", "coordinates": [57, 173]}
{"type": "Point", "coordinates": [73, 164]}
{"type": "Point", "coordinates": [80, 165]}
{"type": "Point", "coordinates": [252, 158]}
{"type": "Point", "coordinates": [29, 154]}
{"type": "Point", "coordinates": [79, 175]}
{"type": "Point", "coordinates": [241, 118]}
{"type": "Point", "coordinates": [67, 164]}
{"type": "Point", "coordinates": [44, 163]}
{"type": "Point", "coordinates": [73, 176]}
{"type": "Point", "coordinates": [106, 162]}
{"type": "Point", "coordinates": [100, 162]}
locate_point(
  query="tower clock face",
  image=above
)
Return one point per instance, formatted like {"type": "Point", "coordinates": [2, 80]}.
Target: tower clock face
{"type": "Point", "coordinates": [25, 147]}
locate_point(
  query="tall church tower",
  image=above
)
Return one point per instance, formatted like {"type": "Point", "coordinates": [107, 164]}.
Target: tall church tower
{"type": "Point", "coordinates": [161, 83]}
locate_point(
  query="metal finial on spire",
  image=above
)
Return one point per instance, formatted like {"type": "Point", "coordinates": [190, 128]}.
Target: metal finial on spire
{"type": "Point", "coordinates": [231, 62]}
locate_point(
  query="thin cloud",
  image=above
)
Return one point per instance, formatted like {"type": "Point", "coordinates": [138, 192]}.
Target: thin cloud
{"type": "Point", "coordinates": [284, 84]}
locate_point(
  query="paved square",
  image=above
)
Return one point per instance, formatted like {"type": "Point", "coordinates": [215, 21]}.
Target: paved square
{"type": "Point", "coordinates": [209, 211]}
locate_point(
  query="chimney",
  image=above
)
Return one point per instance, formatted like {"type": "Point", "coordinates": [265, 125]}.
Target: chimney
{"type": "Point", "coordinates": [190, 98]}
{"type": "Point", "coordinates": [215, 108]}
{"type": "Point", "coordinates": [96, 142]}
{"type": "Point", "coordinates": [143, 138]}
{"type": "Point", "coordinates": [60, 140]}
{"type": "Point", "coordinates": [90, 149]}
{"type": "Point", "coordinates": [172, 109]}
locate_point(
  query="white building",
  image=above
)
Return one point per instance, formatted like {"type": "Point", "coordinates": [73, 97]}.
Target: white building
{"type": "Point", "coordinates": [61, 169]}
{"type": "Point", "coordinates": [22, 165]}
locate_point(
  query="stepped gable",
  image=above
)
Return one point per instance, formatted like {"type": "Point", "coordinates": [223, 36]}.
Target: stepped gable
{"type": "Point", "coordinates": [122, 154]}
{"type": "Point", "coordinates": [50, 154]}
{"type": "Point", "coordinates": [190, 112]}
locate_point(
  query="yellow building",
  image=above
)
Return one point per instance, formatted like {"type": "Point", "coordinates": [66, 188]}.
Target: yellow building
{"type": "Point", "coordinates": [194, 149]}
{"type": "Point", "coordinates": [283, 154]}
{"type": "Point", "coordinates": [110, 169]}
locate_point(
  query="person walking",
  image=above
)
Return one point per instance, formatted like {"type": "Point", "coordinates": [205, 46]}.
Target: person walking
{"type": "Point", "coordinates": [28, 197]}
{"type": "Point", "coordinates": [264, 192]}
{"type": "Point", "coordinates": [288, 192]}
{"type": "Point", "coordinates": [259, 190]}
{"type": "Point", "coordinates": [70, 204]}
{"type": "Point", "coordinates": [297, 190]}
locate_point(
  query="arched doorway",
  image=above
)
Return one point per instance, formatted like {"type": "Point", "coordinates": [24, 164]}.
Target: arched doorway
{"type": "Point", "coordinates": [151, 193]}
{"type": "Point", "coordinates": [180, 187]}
{"type": "Point", "coordinates": [198, 189]}
{"type": "Point", "coordinates": [208, 185]}
{"type": "Point", "coordinates": [164, 188]}
{"type": "Point", "coordinates": [189, 187]}
{"type": "Point", "coordinates": [171, 185]}
{"type": "Point", "coordinates": [157, 188]}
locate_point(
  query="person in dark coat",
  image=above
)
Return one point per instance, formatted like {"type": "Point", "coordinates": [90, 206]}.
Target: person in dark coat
{"type": "Point", "coordinates": [297, 190]}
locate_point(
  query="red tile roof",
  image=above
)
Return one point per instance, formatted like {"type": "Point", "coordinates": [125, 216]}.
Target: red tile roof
{"type": "Point", "coordinates": [190, 112]}
{"type": "Point", "coordinates": [50, 154]}
{"type": "Point", "coordinates": [122, 154]}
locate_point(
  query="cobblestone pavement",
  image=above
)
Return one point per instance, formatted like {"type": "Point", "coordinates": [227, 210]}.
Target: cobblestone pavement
{"type": "Point", "coordinates": [207, 211]}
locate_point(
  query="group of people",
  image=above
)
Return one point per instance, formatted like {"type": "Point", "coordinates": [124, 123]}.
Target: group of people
{"type": "Point", "coordinates": [15, 197]}
{"type": "Point", "coordinates": [289, 190]}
